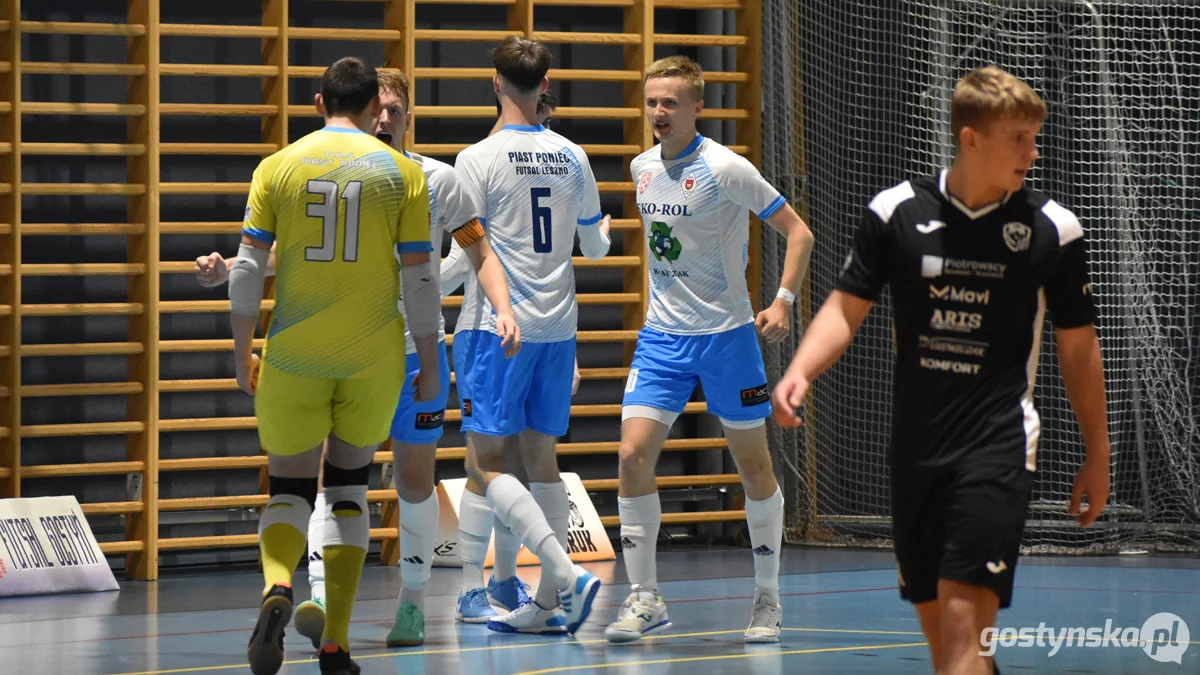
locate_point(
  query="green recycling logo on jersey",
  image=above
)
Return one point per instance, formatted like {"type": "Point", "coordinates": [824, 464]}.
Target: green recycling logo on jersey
{"type": "Point", "coordinates": [662, 243]}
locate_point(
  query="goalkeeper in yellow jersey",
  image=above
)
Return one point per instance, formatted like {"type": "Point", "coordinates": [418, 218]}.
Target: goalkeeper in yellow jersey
{"type": "Point", "coordinates": [341, 208]}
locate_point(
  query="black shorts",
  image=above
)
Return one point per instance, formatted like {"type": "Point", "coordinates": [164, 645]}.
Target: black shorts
{"type": "Point", "coordinates": [960, 526]}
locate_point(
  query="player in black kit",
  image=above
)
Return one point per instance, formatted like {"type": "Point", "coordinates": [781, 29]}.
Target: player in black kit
{"type": "Point", "coordinates": [974, 259]}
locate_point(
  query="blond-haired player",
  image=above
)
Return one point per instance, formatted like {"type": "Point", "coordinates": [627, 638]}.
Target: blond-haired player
{"type": "Point", "coordinates": [695, 196]}
{"type": "Point", "coordinates": [973, 258]}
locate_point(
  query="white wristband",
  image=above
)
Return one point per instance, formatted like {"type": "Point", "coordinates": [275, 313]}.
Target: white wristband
{"type": "Point", "coordinates": [788, 296]}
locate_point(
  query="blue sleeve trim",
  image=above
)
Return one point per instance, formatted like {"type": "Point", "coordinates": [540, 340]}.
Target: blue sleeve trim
{"type": "Point", "coordinates": [770, 210]}
{"type": "Point", "coordinates": [414, 247]}
{"type": "Point", "coordinates": [483, 222]}
{"type": "Point", "coordinates": [590, 221]}
{"type": "Point", "coordinates": [261, 235]}
{"type": "Point", "coordinates": [528, 128]}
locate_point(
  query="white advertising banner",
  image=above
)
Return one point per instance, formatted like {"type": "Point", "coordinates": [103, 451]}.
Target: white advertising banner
{"type": "Point", "coordinates": [586, 537]}
{"type": "Point", "coordinates": [46, 546]}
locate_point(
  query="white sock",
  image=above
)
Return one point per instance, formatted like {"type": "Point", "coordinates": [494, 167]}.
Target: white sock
{"type": "Point", "coordinates": [516, 508]}
{"type": "Point", "coordinates": [765, 519]}
{"type": "Point", "coordinates": [316, 564]}
{"type": "Point", "coordinates": [418, 529]}
{"type": "Point", "coordinates": [508, 547]}
{"type": "Point", "coordinates": [552, 499]}
{"type": "Point", "coordinates": [641, 518]}
{"type": "Point", "coordinates": [474, 534]}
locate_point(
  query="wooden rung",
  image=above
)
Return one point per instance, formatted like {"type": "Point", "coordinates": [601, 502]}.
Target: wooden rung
{"type": "Point", "coordinates": [6, 148]}
{"type": "Point", "coordinates": [207, 424]}
{"type": "Point", "coordinates": [82, 429]}
{"type": "Point", "coordinates": [700, 40]}
{"type": "Point", "coordinates": [306, 72]}
{"type": "Point", "coordinates": [5, 472]}
{"type": "Point", "coordinates": [681, 518]}
{"type": "Point", "coordinates": [4, 25]}
{"type": "Point", "coordinates": [86, 389]}
{"type": "Point", "coordinates": [626, 224]}
{"type": "Point", "coordinates": [467, 2]}
{"type": "Point", "coordinates": [217, 70]}
{"type": "Point", "coordinates": [217, 148]}
{"type": "Point", "coordinates": [127, 149]}
{"type": "Point", "coordinates": [587, 38]}
{"type": "Point", "coordinates": [119, 547]}
{"type": "Point", "coordinates": [176, 267]}
{"type": "Point", "coordinates": [181, 346]}
{"type": "Point", "coordinates": [606, 336]}
{"type": "Point", "coordinates": [76, 28]}
{"type": "Point", "coordinates": [236, 540]}
{"type": "Point", "coordinates": [217, 30]}
{"type": "Point", "coordinates": [608, 261]}
{"type": "Point", "coordinates": [210, 109]}
{"type": "Point", "coordinates": [726, 77]}
{"type": "Point", "coordinates": [603, 373]}
{"type": "Point", "coordinates": [587, 3]}
{"type": "Point", "coordinates": [723, 114]}
{"type": "Point", "coordinates": [696, 4]}
{"type": "Point", "coordinates": [83, 269]}
{"type": "Point", "coordinates": [578, 75]}
{"type": "Point", "coordinates": [212, 463]}
{"type": "Point", "coordinates": [82, 228]}
{"type": "Point", "coordinates": [364, 34]}
{"type": "Point", "coordinates": [84, 309]}
{"type": "Point", "coordinates": [740, 149]}
{"type": "Point", "coordinates": [83, 349]}
{"type": "Point", "coordinates": [5, 106]}
{"type": "Point", "coordinates": [615, 187]}
{"type": "Point", "coordinates": [216, 188]}
{"type": "Point", "coordinates": [48, 68]}
{"type": "Point", "coordinates": [90, 469]}
{"type": "Point", "coordinates": [436, 35]}
{"type": "Point", "coordinates": [48, 108]}
{"type": "Point", "coordinates": [210, 384]}
{"type": "Point", "coordinates": [200, 228]}
{"type": "Point", "coordinates": [612, 150]}
{"type": "Point", "coordinates": [608, 484]}
{"type": "Point", "coordinates": [5, 432]}
{"type": "Point", "coordinates": [83, 189]}
{"type": "Point", "coordinates": [202, 306]}
{"type": "Point", "coordinates": [596, 113]}
{"type": "Point", "coordinates": [603, 448]}
{"type": "Point", "coordinates": [246, 501]}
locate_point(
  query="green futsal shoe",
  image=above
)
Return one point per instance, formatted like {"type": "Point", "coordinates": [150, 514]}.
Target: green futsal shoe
{"type": "Point", "coordinates": [409, 629]}
{"type": "Point", "coordinates": [310, 620]}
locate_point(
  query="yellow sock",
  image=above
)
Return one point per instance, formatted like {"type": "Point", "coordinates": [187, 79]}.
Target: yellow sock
{"type": "Point", "coordinates": [343, 568]}
{"type": "Point", "coordinates": [281, 547]}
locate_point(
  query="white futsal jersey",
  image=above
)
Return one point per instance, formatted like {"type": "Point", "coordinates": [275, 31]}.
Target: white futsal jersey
{"type": "Point", "coordinates": [696, 211]}
{"type": "Point", "coordinates": [449, 209]}
{"type": "Point", "coordinates": [533, 188]}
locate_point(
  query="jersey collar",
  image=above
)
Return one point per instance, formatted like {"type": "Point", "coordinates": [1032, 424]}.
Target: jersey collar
{"type": "Point", "coordinates": [690, 149]}
{"type": "Point", "coordinates": [530, 128]}
{"type": "Point", "coordinates": [343, 130]}
{"type": "Point", "coordinates": [973, 214]}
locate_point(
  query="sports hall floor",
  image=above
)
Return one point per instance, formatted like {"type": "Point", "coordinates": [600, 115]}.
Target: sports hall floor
{"type": "Point", "coordinates": [841, 615]}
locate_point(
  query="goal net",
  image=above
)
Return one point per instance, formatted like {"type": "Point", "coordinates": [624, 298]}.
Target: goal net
{"type": "Point", "coordinates": [866, 87]}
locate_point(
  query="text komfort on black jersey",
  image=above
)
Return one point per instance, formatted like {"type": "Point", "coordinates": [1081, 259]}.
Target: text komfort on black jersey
{"type": "Point", "coordinates": [970, 290]}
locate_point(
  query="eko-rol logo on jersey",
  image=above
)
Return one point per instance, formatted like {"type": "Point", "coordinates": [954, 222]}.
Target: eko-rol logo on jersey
{"type": "Point", "coordinates": [663, 244]}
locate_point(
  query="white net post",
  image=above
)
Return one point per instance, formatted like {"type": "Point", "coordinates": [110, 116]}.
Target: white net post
{"type": "Point", "coordinates": [1120, 149]}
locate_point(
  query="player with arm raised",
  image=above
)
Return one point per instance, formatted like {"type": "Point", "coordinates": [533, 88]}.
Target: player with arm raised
{"type": "Point", "coordinates": [339, 205]}
{"type": "Point", "coordinates": [974, 258]}
{"type": "Point", "coordinates": [695, 196]}
{"type": "Point", "coordinates": [536, 190]}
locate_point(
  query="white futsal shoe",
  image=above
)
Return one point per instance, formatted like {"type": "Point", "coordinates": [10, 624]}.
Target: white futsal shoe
{"type": "Point", "coordinates": [643, 613]}
{"type": "Point", "coordinates": [531, 618]}
{"type": "Point", "coordinates": [766, 619]}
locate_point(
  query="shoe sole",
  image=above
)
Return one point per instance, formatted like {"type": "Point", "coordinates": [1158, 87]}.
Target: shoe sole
{"type": "Point", "coordinates": [621, 637]}
{"type": "Point", "coordinates": [472, 619]}
{"type": "Point", "coordinates": [264, 654]}
{"type": "Point", "coordinates": [501, 627]}
{"type": "Point", "coordinates": [589, 594]}
{"type": "Point", "coordinates": [761, 639]}
{"type": "Point", "coordinates": [398, 642]}
{"type": "Point", "coordinates": [310, 622]}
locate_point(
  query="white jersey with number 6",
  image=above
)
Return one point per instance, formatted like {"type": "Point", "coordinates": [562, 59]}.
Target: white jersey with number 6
{"type": "Point", "coordinates": [533, 188]}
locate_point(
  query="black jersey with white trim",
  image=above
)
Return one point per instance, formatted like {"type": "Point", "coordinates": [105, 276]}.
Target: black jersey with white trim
{"type": "Point", "coordinates": [970, 289]}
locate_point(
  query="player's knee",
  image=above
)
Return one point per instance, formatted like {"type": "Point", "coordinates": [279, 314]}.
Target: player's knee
{"type": "Point", "coordinates": [413, 486]}
{"type": "Point", "coordinates": [633, 455]}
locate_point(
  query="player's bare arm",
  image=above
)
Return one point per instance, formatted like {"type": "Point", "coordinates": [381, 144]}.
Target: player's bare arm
{"type": "Point", "coordinates": [245, 301]}
{"type": "Point", "coordinates": [213, 269]}
{"type": "Point", "coordinates": [494, 284]}
{"type": "Point", "coordinates": [774, 322]}
{"type": "Point", "coordinates": [828, 337]}
{"type": "Point", "coordinates": [1083, 375]}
